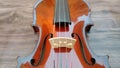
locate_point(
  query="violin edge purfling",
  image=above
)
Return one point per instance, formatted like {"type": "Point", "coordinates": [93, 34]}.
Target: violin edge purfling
{"type": "Point", "coordinates": [62, 26]}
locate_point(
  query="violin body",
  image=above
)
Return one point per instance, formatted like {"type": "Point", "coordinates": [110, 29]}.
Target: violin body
{"type": "Point", "coordinates": [79, 55]}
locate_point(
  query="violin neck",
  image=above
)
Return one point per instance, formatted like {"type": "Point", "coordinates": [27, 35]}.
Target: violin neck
{"type": "Point", "coordinates": [62, 14]}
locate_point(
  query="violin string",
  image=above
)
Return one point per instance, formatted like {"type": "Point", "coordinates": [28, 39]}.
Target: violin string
{"type": "Point", "coordinates": [57, 16]}
{"type": "Point", "coordinates": [67, 7]}
{"type": "Point", "coordinates": [59, 34]}
{"type": "Point", "coordinates": [54, 56]}
{"type": "Point", "coordinates": [69, 55]}
{"type": "Point", "coordinates": [64, 3]}
{"type": "Point", "coordinates": [64, 25]}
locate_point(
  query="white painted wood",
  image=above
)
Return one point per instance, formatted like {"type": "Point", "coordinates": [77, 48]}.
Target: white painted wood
{"type": "Point", "coordinates": [17, 37]}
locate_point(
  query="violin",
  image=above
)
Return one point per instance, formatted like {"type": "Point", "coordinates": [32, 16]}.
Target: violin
{"type": "Point", "coordinates": [62, 27]}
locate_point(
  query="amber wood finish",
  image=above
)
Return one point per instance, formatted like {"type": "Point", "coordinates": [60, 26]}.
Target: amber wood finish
{"type": "Point", "coordinates": [36, 56]}
{"type": "Point", "coordinates": [79, 30]}
{"type": "Point", "coordinates": [45, 11]}
{"type": "Point", "coordinates": [44, 19]}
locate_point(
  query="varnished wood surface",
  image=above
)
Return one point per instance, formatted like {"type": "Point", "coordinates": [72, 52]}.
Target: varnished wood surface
{"type": "Point", "coordinates": [17, 36]}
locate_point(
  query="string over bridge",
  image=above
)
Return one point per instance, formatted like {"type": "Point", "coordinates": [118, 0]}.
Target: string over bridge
{"type": "Point", "coordinates": [63, 43]}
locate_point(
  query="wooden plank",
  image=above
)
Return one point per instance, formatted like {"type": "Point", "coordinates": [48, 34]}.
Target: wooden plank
{"type": "Point", "coordinates": [17, 36]}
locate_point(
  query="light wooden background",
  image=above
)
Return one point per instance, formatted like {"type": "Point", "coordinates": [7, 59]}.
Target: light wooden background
{"type": "Point", "coordinates": [17, 36]}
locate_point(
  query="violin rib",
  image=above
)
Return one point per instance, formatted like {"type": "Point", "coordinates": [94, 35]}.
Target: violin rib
{"type": "Point", "coordinates": [62, 46]}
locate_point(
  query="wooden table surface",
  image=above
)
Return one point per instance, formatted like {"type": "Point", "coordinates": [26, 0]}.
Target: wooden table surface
{"type": "Point", "coordinates": [17, 37]}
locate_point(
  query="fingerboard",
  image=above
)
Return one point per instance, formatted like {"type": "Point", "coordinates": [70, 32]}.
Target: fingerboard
{"type": "Point", "coordinates": [62, 14]}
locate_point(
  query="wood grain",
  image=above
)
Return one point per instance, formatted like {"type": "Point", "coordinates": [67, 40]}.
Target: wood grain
{"type": "Point", "coordinates": [17, 37]}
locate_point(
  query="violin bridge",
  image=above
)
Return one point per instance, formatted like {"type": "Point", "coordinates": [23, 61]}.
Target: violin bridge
{"type": "Point", "coordinates": [61, 44]}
